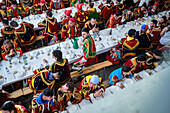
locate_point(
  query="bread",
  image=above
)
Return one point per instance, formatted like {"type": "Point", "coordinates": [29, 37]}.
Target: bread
{"type": "Point", "coordinates": [48, 53]}
{"type": "Point", "coordinates": [31, 57]}
{"type": "Point", "coordinates": [28, 68]}
{"type": "Point", "coordinates": [67, 52]}
{"type": "Point", "coordinates": [15, 71]}
{"type": "Point", "coordinates": [68, 46]}
{"type": "Point", "coordinates": [1, 76]}
{"type": "Point", "coordinates": [9, 66]}
{"type": "Point", "coordinates": [107, 33]}
{"type": "Point", "coordinates": [112, 39]}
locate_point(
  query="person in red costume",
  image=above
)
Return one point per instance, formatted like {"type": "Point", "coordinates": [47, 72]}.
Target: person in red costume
{"type": "Point", "coordinates": [67, 16]}
{"type": "Point", "coordinates": [70, 30]}
{"type": "Point", "coordinates": [15, 12]}
{"type": "Point", "coordinates": [81, 16]}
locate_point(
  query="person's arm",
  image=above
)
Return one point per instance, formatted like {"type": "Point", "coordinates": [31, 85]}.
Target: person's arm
{"type": "Point", "coordinates": [163, 31]}
{"type": "Point", "coordinates": [64, 32]}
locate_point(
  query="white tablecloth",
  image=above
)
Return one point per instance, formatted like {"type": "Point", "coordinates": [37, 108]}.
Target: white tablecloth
{"type": "Point", "coordinates": [101, 46]}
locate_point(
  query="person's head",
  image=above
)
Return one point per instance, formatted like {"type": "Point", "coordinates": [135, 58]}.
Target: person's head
{"type": "Point", "coordinates": [7, 43]}
{"type": "Point", "coordinates": [153, 23]}
{"type": "Point", "coordinates": [156, 4]}
{"type": "Point", "coordinates": [118, 1]}
{"type": "Point", "coordinates": [126, 70]}
{"type": "Point", "coordinates": [115, 78]}
{"type": "Point", "coordinates": [71, 22]}
{"type": "Point", "coordinates": [129, 11]}
{"type": "Point", "coordinates": [93, 21]}
{"type": "Point", "coordinates": [42, 2]}
{"type": "Point", "coordinates": [57, 54]}
{"type": "Point", "coordinates": [85, 32]}
{"type": "Point", "coordinates": [8, 107]}
{"type": "Point", "coordinates": [13, 24]}
{"type": "Point", "coordinates": [68, 87]}
{"type": "Point", "coordinates": [94, 80]}
{"type": "Point", "coordinates": [5, 22]}
{"type": "Point", "coordinates": [141, 58]}
{"type": "Point", "coordinates": [163, 19]}
{"type": "Point", "coordinates": [14, 4]}
{"type": "Point", "coordinates": [48, 14]}
{"type": "Point", "coordinates": [143, 7]}
{"type": "Point", "coordinates": [47, 94]}
{"type": "Point", "coordinates": [132, 32]}
{"type": "Point", "coordinates": [91, 5]}
{"type": "Point", "coordinates": [58, 75]}
{"type": "Point", "coordinates": [157, 54]}
{"type": "Point", "coordinates": [144, 28]}
{"type": "Point", "coordinates": [68, 12]}
{"type": "Point", "coordinates": [108, 1]}
{"type": "Point", "coordinates": [119, 14]}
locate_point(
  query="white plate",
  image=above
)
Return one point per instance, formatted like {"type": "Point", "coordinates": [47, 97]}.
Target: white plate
{"type": "Point", "coordinates": [143, 74]}
{"type": "Point", "coordinates": [159, 68]}
{"type": "Point", "coordinates": [128, 82]}
{"type": "Point", "coordinates": [164, 64]}
{"type": "Point", "coordinates": [114, 89]}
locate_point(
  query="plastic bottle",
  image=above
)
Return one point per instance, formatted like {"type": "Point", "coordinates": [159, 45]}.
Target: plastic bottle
{"type": "Point", "coordinates": [25, 60]}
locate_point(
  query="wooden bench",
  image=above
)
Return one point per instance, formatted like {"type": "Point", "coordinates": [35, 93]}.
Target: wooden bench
{"type": "Point", "coordinates": [86, 70]}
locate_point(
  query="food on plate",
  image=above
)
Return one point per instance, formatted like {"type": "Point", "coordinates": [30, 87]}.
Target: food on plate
{"type": "Point", "coordinates": [9, 66]}
{"type": "Point", "coordinates": [150, 73]}
{"type": "Point", "coordinates": [15, 71]}
{"type": "Point", "coordinates": [28, 68]}
{"type": "Point", "coordinates": [107, 33]}
{"type": "Point", "coordinates": [31, 57]}
{"type": "Point", "coordinates": [112, 39]}
{"type": "Point", "coordinates": [1, 76]}
{"type": "Point", "coordinates": [67, 52]}
{"type": "Point", "coordinates": [48, 53]}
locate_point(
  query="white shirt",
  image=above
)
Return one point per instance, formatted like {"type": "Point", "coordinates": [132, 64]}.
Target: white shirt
{"type": "Point", "coordinates": [165, 39]}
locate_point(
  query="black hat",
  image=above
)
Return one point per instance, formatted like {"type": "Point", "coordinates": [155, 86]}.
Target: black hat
{"type": "Point", "coordinates": [157, 52]}
{"type": "Point", "coordinates": [13, 24]}
{"type": "Point", "coordinates": [14, 3]}
{"type": "Point", "coordinates": [5, 21]}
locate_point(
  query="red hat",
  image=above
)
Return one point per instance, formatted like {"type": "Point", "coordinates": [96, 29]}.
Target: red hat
{"type": "Point", "coordinates": [114, 78]}
{"type": "Point", "coordinates": [156, 4]}
{"type": "Point", "coordinates": [72, 19]}
{"type": "Point", "coordinates": [42, 1]}
{"type": "Point", "coordinates": [79, 6]}
{"type": "Point", "coordinates": [67, 12]}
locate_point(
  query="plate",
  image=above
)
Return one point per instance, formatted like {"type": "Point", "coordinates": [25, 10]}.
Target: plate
{"type": "Point", "coordinates": [159, 68]}
{"type": "Point", "coordinates": [128, 82]}
{"type": "Point", "coordinates": [114, 89]}
{"type": "Point", "coordinates": [143, 74]}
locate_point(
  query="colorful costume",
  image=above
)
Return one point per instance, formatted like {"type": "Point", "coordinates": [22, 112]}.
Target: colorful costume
{"type": "Point", "coordinates": [81, 16]}
{"type": "Point", "coordinates": [155, 32]}
{"type": "Point", "coordinates": [129, 47]}
{"type": "Point", "coordinates": [119, 74]}
{"type": "Point", "coordinates": [73, 2]}
{"type": "Point", "coordinates": [144, 40]}
{"type": "Point", "coordinates": [8, 33]}
{"type": "Point", "coordinates": [39, 9]}
{"type": "Point", "coordinates": [127, 17]}
{"type": "Point", "coordinates": [113, 21]}
{"type": "Point", "coordinates": [5, 52]}
{"type": "Point", "coordinates": [85, 88]}
{"type": "Point", "coordinates": [92, 13]}
{"type": "Point", "coordinates": [2, 14]}
{"type": "Point", "coordinates": [163, 25]}
{"type": "Point", "coordinates": [66, 3]}
{"type": "Point", "coordinates": [120, 7]}
{"type": "Point", "coordinates": [42, 106]}
{"type": "Point", "coordinates": [63, 97]}
{"type": "Point", "coordinates": [150, 60]}
{"type": "Point", "coordinates": [29, 11]}
{"type": "Point", "coordinates": [19, 109]}
{"type": "Point", "coordinates": [134, 65]}
{"type": "Point", "coordinates": [43, 79]}
{"type": "Point", "coordinates": [138, 13]}
{"type": "Point", "coordinates": [51, 26]}
{"type": "Point", "coordinates": [152, 12]}
{"type": "Point", "coordinates": [89, 25]}
{"type": "Point", "coordinates": [25, 34]}
{"type": "Point", "coordinates": [11, 13]}
{"type": "Point", "coordinates": [67, 13]}
{"type": "Point", "coordinates": [106, 11]}
{"type": "Point", "coordinates": [57, 5]}
{"type": "Point", "coordinates": [89, 50]}
{"type": "Point", "coordinates": [61, 65]}
{"type": "Point", "coordinates": [70, 32]}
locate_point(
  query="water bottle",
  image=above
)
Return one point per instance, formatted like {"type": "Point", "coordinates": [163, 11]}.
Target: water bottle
{"type": "Point", "coordinates": [25, 60]}
{"type": "Point", "coordinates": [110, 31]}
{"type": "Point", "coordinates": [7, 70]}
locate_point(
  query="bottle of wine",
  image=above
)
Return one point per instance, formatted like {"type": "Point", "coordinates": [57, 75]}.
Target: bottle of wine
{"type": "Point", "coordinates": [25, 60]}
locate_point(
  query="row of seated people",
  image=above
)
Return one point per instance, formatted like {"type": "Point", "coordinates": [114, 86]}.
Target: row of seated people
{"type": "Point", "coordinates": [52, 93]}
{"type": "Point", "coordinates": [72, 29]}
{"type": "Point", "coordinates": [57, 77]}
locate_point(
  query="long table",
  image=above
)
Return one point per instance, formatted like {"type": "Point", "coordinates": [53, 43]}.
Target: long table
{"type": "Point", "coordinates": [102, 46]}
